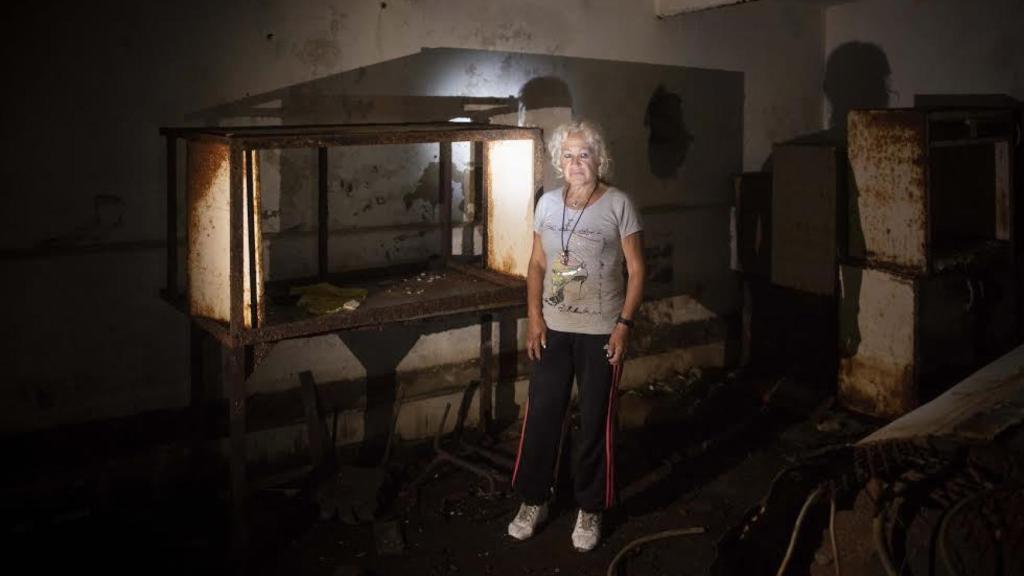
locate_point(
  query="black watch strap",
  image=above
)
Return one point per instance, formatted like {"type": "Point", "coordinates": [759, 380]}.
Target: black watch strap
{"type": "Point", "coordinates": [624, 321]}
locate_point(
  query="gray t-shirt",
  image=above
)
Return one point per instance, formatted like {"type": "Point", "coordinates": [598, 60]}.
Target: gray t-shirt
{"type": "Point", "coordinates": [584, 293]}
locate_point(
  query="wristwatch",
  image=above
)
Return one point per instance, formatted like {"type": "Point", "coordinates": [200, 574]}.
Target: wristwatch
{"type": "Point", "coordinates": [624, 321]}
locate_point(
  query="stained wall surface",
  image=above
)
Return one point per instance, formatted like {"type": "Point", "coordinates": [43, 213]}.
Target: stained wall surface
{"type": "Point", "coordinates": [81, 232]}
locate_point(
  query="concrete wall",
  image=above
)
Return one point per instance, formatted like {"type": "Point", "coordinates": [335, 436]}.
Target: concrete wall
{"type": "Point", "coordinates": [937, 47]}
{"type": "Point", "coordinates": [81, 229]}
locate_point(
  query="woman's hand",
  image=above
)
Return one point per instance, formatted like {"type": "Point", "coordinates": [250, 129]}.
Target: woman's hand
{"type": "Point", "coordinates": [536, 337]}
{"type": "Point", "coordinates": [617, 344]}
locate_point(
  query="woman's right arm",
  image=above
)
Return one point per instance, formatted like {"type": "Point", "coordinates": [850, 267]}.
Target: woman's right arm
{"type": "Point", "coordinates": [536, 336]}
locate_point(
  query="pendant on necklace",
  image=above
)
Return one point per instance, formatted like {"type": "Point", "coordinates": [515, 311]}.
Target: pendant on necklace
{"type": "Point", "coordinates": [565, 257]}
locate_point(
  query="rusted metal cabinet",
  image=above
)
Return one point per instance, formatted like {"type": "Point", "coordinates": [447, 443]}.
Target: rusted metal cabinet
{"type": "Point", "coordinates": [904, 338]}
{"type": "Point", "coordinates": [227, 296]}
{"type": "Point", "coordinates": [929, 188]}
{"type": "Point", "coordinates": [225, 276]}
{"type": "Point", "coordinates": [929, 290]}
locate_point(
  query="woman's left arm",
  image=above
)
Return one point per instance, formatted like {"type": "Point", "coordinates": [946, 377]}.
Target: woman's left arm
{"type": "Point", "coordinates": [633, 249]}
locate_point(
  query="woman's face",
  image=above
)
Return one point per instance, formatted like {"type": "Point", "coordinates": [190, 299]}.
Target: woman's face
{"type": "Point", "coordinates": [578, 162]}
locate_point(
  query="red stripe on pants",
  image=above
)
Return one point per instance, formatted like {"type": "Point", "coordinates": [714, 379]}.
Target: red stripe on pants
{"type": "Point", "coordinates": [609, 438]}
{"type": "Point", "coordinates": [522, 436]}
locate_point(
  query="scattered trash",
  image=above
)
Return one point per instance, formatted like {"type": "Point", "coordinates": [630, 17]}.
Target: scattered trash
{"type": "Point", "coordinates": [351, 495]}
{"type": "Point", "coordinates": [415, 285]}
{"type": "Point", "coordinates": [831, 424]}
{"type": "Point", "coordinates": [388, 538]}
{"type": "Point", "coordinates": [325, 298]}
{"type": "Point", "coordinates": [689, 383]}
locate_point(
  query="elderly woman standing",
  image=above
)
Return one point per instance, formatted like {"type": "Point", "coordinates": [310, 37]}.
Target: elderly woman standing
{"type": "Point", "coordinates": [581, 310]}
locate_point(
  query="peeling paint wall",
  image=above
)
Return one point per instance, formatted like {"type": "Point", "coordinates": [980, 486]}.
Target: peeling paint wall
{"type": "Point", "coordinates": [82, 225]}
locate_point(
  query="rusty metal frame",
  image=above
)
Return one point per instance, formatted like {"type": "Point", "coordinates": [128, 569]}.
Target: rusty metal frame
{"type": "Point", "coordinates": [328, 135]}
{"type": "Point", "coordinates": [934, 129]}
{"type": "Point", "coordinates": [242, 347]}
{"type": "Point", "coordinates": [244, 143]}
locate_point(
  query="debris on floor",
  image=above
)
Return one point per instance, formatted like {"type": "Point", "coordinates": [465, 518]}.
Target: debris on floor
{"type": "Point", "coordinates": [326, 298]}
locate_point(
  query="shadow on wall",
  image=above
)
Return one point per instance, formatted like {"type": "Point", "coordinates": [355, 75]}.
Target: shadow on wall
{"type": "Point", "coordinates": [856, 76]}
{"type": "Point", "coordinates": [545, 102]}
{"type": "Point", "coordinates": [382, 199]}
{"type": "Point", "coordinates": [543, 92]}
{"type": "Point", "coordinates": [668, 138]}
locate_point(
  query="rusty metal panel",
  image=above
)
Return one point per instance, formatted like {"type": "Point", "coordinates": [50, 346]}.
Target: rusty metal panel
{"type": "Point", "coordinates": [208, 258]}
{"type": "Point", "coordinates": [509, 188]}
{"type": "Point", "coordinates": [877, 341]}
{"type": "Point", "coordinates": [888, 188]}
{"type": "Point", "coordinates": [752, 234]}
{"type": "Point", "coordinates": [1003, 191]}
{"type": "Point", "coordinates": [805, 186]}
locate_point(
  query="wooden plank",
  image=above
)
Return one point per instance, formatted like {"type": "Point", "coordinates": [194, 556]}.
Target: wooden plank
{"type": "Point", "coordinates": [978, 408]}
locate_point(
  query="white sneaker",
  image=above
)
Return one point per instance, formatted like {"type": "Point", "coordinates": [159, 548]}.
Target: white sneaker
{"type": "Point", "coordinates": [527, 520]}
{"type": "Point", "coordinates": [587, 532]}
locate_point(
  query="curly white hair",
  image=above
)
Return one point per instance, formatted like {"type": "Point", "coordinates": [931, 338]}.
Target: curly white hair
{"type": "Point", "coordinates": [591, 134]}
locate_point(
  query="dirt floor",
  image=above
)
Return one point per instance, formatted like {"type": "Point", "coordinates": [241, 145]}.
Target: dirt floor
{"type": "Point", "coordinates": [696, 456]}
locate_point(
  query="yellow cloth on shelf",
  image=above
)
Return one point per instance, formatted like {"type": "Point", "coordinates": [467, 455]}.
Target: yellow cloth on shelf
{"type": "Point", "coordinates": [325, 298]}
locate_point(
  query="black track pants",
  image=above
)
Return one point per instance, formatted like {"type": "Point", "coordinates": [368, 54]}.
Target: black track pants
{"type": "Point", "coordinates": [568, 355]}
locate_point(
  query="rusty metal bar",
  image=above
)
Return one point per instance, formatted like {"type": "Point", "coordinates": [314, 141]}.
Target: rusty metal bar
{"type": "Point", "coordinates": [236, 242]}
{"type": "Point", "coordinates": [263, 137]}
{"type": "Point", "coordinates": [359, 139]}
{"type": "Point", "coordinates": [485, 192]}
{"type": "Point", "coordinates": [486, 274]}
{"type": "Point", "coordinates": [469, 231]}
{"type": "Point", "coordinates": [172, 216]}
{"type": "Point", "coordinates": [444, 190]}
{"type": "Point", "coordinates": [442, 455]}
{"type": "Point", "coordinates": [356, 230]}
{"type": "Point", "coordinates": [250, 215]}
{"type": "Point", "coordinates": [500, 297]}
{"type": "Point", "coordinates": [321, 226]}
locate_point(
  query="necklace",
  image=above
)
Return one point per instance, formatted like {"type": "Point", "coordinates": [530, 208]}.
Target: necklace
{"type": "Point", "coordinates": [565, 241]}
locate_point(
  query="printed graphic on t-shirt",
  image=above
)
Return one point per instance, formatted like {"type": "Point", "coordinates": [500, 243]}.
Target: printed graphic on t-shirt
{"type": "Point", "coordinates": [575, 285]}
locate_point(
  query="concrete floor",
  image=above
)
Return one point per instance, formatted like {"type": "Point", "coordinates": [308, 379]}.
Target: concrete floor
{"type": "Point", "coordinates": [725, 448]}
